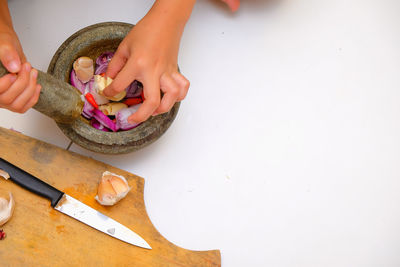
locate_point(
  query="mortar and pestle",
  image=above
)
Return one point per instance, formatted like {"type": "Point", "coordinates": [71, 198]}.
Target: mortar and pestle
{"type": "Point", "coordinates": [62, 102]}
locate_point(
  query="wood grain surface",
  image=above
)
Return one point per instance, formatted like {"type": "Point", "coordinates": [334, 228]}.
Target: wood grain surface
{"type": "Point", "coordinates": [37, 235]}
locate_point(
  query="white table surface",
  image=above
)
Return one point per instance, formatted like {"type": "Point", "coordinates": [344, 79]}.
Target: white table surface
{"type": "Point", "coordinates": [286, 150]}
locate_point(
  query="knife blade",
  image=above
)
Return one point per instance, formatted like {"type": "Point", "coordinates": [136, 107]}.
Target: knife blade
{"type": "Point", "coordinates": [72, 207]}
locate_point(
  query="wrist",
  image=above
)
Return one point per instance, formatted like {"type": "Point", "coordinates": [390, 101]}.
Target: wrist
{"type": "Point", "coordinates": [6, 28]}
{"type": "Point", "coordinates": [172, 13]}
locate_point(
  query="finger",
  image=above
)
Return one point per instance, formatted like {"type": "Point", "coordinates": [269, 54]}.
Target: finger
{"type": "Point", "coordinates": [20, 102]}
{"type": "Point", "coordinates": [34, 99]}
{"type": "Point", "coordinates": [18, 86]}
{"type": "Point", "coordinates": [171, 90]}
{"type": "Point", "coordinates": [10, 58]}
{"type": "Point", "coordinates": [184, 84]}
{"type": "Point", "coordinates": [6, 81]}
{"type": "Point", "coordinates": [166, 104]}
{"type": "Point", "coordinates": [124, 78]}
{"type": "Point", "coordinates": [151, 89]}
{"type": "Point", "coordinates": [116, 64]}
{"type": "Point", "coordinates": [233, 4]}
{"type": "Point", "coordinates": [21, 54]}
{"type": "Point", "coordinates": [22, 57]}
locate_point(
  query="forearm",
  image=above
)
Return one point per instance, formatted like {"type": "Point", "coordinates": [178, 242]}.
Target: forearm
{"type": "Point", "coordinates": [172, 14]}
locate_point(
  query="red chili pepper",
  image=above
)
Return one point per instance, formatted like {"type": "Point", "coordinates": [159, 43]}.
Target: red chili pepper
{"type": "Point", "coordinates": [102, 74]}
{"type": "Point", "coordinates": [2, 234]}
{"type": "Point", "coordinates": [89, 97]}
{"type": "Point", "coordinates": [133, 101]}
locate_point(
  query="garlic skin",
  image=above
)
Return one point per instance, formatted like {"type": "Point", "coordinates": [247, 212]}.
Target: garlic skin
{"type": "Point", "coordinates": [6, 209]}
{"type": "Point", "coordinates": [84, 69]}
{"type": "Point", "coordinates": [112, 108]}
{"type": "Point", "coordinates": [4, 174]}
{"type": "Point", "coordinates": [100, 99]}
{"type": "Point", "coordinates": [100, 83]}
{"type": "Point", "coordinates": [112, 188]}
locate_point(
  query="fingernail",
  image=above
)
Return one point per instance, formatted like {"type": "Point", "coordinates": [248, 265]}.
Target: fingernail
{"type": "Point", "coordinates": [13, 66]}
{"type": "Point", "coordinates": [34, 73]}
{"type": "Point", "coordinates": [132, 122]}
{"type": "Point", "coordinates": [155, 113]}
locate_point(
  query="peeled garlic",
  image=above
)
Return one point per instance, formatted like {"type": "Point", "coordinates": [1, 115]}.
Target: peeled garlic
{"type": "Point", "coordinates": [112, 108]}
{"type": "Point", "coordinates": [84, 69]}
{"type": "Point", "coordinates": [6, 209]}
{"type": "Point", "coordinates": [102, 82]}
{"type": "Point", "coordinates": [112, 188]}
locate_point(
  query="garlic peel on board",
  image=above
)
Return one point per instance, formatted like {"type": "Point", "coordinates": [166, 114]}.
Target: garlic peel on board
{"type": "Point", "coordinates": [112, 188]}
{"type": "Point", "coordinates": [4, 174]}
{"type": "Point", "coordinates": [6, 209]}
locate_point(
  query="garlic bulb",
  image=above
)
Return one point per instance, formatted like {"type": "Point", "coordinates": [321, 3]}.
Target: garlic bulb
{"type": "Point", "coordinates": [100, 83]}
{"type": "Point", "coordinates": [6, 209]}
{"type": "Point", "coordinates": [112, 108]}
{"type": "Point", "coordinates": [84, 69]}
{"type": "Point", "coordinates": [112, 188]}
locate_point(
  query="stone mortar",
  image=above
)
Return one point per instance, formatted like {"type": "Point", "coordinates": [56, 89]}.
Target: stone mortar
{"type": "Point", "coordinates": [93, 41]}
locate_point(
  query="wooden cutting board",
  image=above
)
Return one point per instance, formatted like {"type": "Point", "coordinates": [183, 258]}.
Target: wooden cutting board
{"type": "Point", "coordinates": [37, 235]}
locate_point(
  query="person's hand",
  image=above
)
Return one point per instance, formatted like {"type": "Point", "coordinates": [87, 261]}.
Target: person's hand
{"type": "Point", "coordinates": [149, 54]}
{"type": "Point", "coordinates": [18, 90]}
{"type": "Point", "coordinates": [233, 4]}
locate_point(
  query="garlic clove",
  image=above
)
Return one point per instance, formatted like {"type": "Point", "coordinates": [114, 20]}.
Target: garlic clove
{"type": "Point", "coordinates": [6, 209]}
{"type": "Point", "coordinates": [100, 99]}
{"type": "Point", "coordinates": [112, 108]}
{"type": "Point", "coordinates": [84, 69]}
{"type": "Point", "coordinates": [106, 193]}
{"type": "Point", "coordinates": [100, 83]}
{"type": "Point", "coordinates": [120, 186]}
{"type": "Point", "coordinates": [4, 174]}
{"type": "Point", "coordinates": [112, 188]}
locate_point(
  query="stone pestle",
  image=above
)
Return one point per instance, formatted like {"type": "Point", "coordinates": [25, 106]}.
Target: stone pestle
{"type": "Point", "coordinates": [58, 100]}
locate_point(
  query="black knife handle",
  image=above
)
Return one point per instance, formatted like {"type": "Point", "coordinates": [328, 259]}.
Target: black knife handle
{"type": "Point", "coordinates": [30, 182]}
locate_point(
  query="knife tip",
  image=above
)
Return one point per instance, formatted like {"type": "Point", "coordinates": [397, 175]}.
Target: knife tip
{"type": "Point", "coordinates": [147, 246]}
{"type": "Point", "coordinates": [142, 244]}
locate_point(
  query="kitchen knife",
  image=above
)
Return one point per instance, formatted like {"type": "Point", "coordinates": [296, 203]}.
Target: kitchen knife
{"type": "Point", "coordinates": [72, 207]}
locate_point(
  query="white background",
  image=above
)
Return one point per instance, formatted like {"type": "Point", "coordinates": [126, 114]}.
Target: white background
{"type": "Point", "coordinates": [286, 150]}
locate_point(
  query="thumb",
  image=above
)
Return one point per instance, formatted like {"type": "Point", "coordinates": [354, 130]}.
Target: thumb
{"type": "Point", "coordinates": [116, 64]}
{"type": "Point", "coordinates": [10, 58]}
{"type": "Point", "coordinates": [233, 4]}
